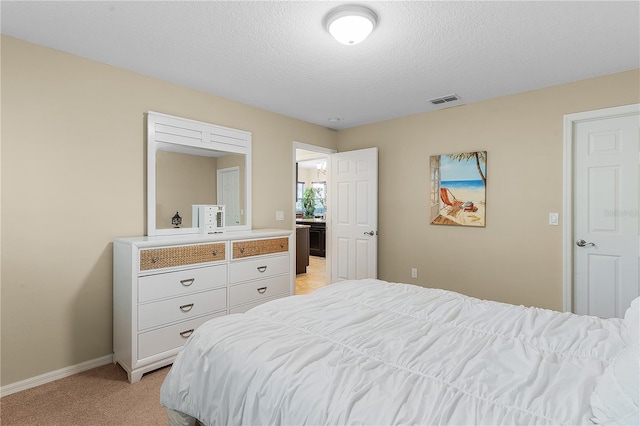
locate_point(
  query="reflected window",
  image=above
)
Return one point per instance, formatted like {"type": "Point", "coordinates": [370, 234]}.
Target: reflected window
{"type": "Point", "coordinates": [321, 197]}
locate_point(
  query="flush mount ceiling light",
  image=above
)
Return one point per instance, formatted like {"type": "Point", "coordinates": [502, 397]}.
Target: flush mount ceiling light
{"type": "Point", "coordinates": [350, 24]}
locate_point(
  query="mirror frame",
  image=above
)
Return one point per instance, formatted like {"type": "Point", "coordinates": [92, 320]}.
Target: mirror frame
{"type": "Point", "coordinates": [170, 133]}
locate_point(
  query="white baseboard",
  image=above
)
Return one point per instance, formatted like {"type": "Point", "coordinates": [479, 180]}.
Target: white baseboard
{"type": "Point", "coordinates": [54, 375]}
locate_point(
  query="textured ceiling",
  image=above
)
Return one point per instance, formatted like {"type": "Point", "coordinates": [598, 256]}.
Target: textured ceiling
{"type": "Point", "coordinates": [277, 56]}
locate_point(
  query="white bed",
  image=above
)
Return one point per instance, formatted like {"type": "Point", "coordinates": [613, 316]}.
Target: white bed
{"type": "Point", "coordinates": [372, 352]}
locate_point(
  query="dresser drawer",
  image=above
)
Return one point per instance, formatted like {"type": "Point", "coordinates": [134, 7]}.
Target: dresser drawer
{"type": "Point", "coordinates": [258, 268]}
{"type": "Point", "coordinates": [166, 257]}
{"type": "Point", "coordinates": [244, 308]}
{"type": "Point", "coordinates": [178, 283]}
{"type": "Point", "coordinates": [181, 308]}
{"type": "Point", "coordinates": [171, 337]}
{"type": "Point", "coordinates": [260, 290]}
{"type": "Point", "coordinates": [248, 248]}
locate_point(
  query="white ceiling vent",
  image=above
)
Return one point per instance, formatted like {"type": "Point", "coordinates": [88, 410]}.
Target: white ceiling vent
{"type": "Point", "coordinates": [444, 99]}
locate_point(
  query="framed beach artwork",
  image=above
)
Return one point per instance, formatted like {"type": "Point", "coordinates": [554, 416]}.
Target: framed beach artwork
{"type": "Point", "coordinates": [458, 189]}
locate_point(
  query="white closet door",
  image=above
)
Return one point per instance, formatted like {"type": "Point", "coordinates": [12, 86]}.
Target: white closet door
{"type": "Point", "coordinates": [606, 220]}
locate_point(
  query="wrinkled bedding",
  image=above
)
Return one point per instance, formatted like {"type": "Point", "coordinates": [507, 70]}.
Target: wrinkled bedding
{"type": "Point", "coordinates": [372, 352]}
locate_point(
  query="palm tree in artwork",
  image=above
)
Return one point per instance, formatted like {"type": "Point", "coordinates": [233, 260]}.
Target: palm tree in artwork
{"type": "Point", "coordinates": [479, 156]}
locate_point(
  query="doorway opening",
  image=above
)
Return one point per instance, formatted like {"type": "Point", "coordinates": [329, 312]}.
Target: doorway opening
{"type": "Point", "coordinates": [311, 199]}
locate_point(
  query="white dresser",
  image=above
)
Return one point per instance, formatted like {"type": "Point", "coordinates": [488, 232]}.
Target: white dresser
{"type": "Point", "coordinates": [165, 287]}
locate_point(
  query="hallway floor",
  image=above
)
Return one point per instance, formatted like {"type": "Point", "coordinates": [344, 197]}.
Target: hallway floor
{"type": "Point", "coordinates": [314, 278]}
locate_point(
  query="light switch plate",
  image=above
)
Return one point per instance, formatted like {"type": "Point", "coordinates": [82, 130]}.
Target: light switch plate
{"type": "Point", "coordinates": [279, 215]}
{"type": "Point", "coordinates": [553, 219]}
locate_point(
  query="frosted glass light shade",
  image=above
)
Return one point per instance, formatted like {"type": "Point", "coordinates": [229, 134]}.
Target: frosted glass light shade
{"type": "Point", "coordinates": [351, 24]}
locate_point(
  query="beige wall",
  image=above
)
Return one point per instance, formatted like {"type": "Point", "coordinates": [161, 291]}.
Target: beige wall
{"type": "Point", "coordinates": [308, 176]}
{"type": "Point", "coordinates": [517, 258]}
{"type": "Point", "coordinates": [73, 179]}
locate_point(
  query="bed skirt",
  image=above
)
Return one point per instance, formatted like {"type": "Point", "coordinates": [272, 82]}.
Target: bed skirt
{"type": "Point", "coordinates": [176, 418]}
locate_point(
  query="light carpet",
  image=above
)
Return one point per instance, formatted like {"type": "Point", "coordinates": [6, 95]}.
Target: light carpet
{"type": "Point", "coordinates": [100, 396]}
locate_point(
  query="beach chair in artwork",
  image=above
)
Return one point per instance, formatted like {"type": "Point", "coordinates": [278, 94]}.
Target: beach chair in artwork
{"type": "Point", "coordinates": [466, 206]}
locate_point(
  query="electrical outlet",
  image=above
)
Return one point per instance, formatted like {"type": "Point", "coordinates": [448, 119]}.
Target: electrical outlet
{"type": "Point", "coordinates": [414, 272]}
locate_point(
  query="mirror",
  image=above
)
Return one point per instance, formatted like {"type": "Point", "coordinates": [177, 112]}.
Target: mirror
{"type": "Point", "coordinates": [190, 162]}
{"type": "Point", "coordinates": [186, 179]}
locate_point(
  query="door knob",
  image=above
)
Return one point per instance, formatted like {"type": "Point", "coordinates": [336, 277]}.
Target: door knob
{"type": "Point", "coordinates": [370, 233]}
{"type": "Point", "coordinates": [583, 243]}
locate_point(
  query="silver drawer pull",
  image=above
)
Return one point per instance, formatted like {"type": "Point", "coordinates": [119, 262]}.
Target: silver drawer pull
{"type": "Point", "coordinates": [215, 252]}
{"type": "Point", "coordinates": [154, 259]}
{"type": "Point", "coordinates": [261, 290]}
{"type": "Point", "coordinates": [187, 282]}
{"type": "Point", "coordinates": [281, 245]}
{"type": "Point", "coordinates": [262, 268]}
{"type": "Point", "coordinates": [186, 308]}
{"type": "Point", "coordinates": [186, 333]}
{"type": "Point", "coordinates": [241, 249]}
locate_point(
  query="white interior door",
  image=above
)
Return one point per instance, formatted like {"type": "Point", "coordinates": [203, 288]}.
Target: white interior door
{"type": "Point", "coordinates": [605, 209]}
{"type": "Point", "coordinates": [354, 214]}
{"type": "Point", "coordinates": [229, 194]}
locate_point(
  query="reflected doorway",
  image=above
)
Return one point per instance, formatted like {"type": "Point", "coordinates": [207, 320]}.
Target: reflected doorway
{"type": "Point", "coordinates": [228, 183]}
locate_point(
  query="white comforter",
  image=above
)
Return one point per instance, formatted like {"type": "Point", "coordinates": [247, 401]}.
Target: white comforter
{"type": "Point", "coordinates": [371, 352]}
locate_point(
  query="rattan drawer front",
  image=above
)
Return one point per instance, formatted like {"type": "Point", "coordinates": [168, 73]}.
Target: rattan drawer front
{"type": "Point", "coordinates": [259, 290]}
{"type": "Point", "coordinates": [181, 308]}
{"type": "Point", "coordinates": [170, 337]}
{"type": "Point", "coordinates": [258, 268]}
{"type": "Point", "coordinates": [181, 255]}
{"type": "Point", "coordinates": [250, 248]}
{"type": "Point", "coordinates": [171, 284]}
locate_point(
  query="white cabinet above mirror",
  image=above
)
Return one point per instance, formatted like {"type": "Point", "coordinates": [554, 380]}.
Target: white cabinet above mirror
{"type": "Point", "coordinates": [193, 163]}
